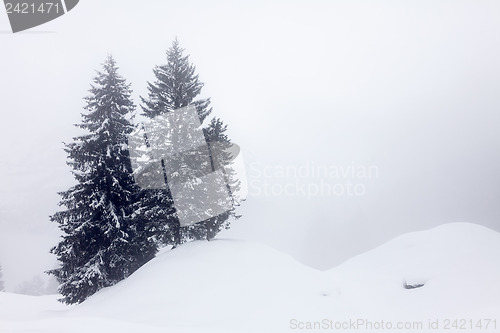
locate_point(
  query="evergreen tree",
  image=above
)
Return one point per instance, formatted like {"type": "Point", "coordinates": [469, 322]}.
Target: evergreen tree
{"type": "Point", "coordinates": [215, 134]}
{"type": "Point", "coordinates": [177, 85]}
{"type": "Point", "coordinates": [104, 240]}
{"type": "Point", "coordinates": [2, 286]}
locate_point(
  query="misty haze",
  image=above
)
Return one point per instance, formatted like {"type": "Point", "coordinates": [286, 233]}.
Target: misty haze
{"type": "Point", "coordinates": [363, 180]}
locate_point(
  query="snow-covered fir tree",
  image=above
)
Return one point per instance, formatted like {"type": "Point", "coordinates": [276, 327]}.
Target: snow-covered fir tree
{"type": "Point", "coordinates": [104, 239]}
{"type": "Point", "coordinates": [177, 85]}
{"type": "Point", "coordinates": [2, 286]}
{"type": "Point", "coordinates": [215, 134]}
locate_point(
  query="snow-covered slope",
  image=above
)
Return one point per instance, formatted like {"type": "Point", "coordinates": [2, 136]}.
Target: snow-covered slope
{"type": "Point", "coordinates": [236, 286]}
{"type": "Point", "coordinates": [458, 265]}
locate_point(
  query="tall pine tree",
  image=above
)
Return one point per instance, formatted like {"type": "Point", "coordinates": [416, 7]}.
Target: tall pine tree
{"type": "Point", "coordinates": [103, 239]}
{"type": "Point", "coordinates": [177, 85]}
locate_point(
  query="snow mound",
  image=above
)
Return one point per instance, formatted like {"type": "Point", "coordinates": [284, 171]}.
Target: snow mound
{"type": "Point", "coordinates": [224, 282]}
{"type": "Point", "coordinates": [449, 272]}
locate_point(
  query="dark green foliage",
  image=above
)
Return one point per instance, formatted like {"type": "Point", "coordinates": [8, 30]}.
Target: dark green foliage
{"type": "Point", "coordinates": [177, 85]}
{"type": "Point", "coordinates": [104, 237]}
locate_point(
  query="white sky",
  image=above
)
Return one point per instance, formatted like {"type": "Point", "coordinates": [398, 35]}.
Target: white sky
{"type": "Point", "coordinates": [410, 87]}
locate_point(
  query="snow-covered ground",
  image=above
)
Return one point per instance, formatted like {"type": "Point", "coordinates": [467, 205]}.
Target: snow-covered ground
{"type": "Point", "coordinates": [235, 286]}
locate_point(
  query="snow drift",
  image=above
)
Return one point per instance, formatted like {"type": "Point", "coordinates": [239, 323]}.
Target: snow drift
{"type": "Point", "coordinates": [447, 273]}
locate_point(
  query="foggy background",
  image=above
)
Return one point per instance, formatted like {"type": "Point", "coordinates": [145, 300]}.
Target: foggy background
{"type": "Point", "coordinates": [408, 87]}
